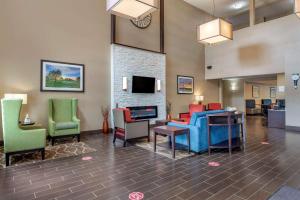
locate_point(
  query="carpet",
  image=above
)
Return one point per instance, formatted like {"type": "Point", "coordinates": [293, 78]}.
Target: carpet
{"type": "Point", "coordinates": [163, 148]}
{"type": "Point", "coordinates": [62, 148]}
{"type": "Point", "coordinates": [286, 193]}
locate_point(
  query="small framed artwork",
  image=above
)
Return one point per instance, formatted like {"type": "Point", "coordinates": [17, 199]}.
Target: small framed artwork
{"type": "Point", "coordinates": [61, 76]}
{"type": "Point", "coordinates": [185, 84]}
{"type": "Point", "coordinates": [255, 91]}
{"type": "Point", "coordinates": [273, 91]}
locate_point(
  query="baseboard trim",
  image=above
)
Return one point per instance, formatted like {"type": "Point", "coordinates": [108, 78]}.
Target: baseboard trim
{"type": "Point", "coordinates": [96, 131]}
{"type": "Point", "coordinates": [99, 131]}
{"type": "Point", "coordinates": [292, 128]}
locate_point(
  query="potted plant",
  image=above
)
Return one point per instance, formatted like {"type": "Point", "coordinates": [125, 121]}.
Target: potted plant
{"type": "Point", "coordinates": [105, 113]}
{"type": "Point", "coordinates": [169, 109]}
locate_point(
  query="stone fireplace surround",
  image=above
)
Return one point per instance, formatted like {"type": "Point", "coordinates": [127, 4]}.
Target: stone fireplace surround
{"type": "Point", "coordinates": [128, 62]}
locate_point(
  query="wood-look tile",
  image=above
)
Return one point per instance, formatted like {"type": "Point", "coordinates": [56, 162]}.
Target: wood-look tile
{"type": "Point", "coordinates": [115, 172]}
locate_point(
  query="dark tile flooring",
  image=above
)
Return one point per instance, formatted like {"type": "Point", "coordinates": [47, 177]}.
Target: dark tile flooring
{"type": "Point", "coordinates": [114, 172]}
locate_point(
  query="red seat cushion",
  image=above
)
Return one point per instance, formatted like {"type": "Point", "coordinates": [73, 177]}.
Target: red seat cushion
{"type": "Point", "coordinates": [214, 106]}
{"type": "Point", "coordinates": [120, 132]}
{"type": "Point", "coordinates": [127, 115]}
{"type": "Point", "coordinates": [196, 108]}
{"type": "Point", "coordinates": [178, 122]}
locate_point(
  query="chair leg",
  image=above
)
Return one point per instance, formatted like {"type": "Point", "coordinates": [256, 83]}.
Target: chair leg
{"type": "Point", "coordinates": [53, 140]}
{"type": "Point", "coordinates": [114, 140]}
{"type": "Point", "coordinates": [78, 138]}
{"type": "Point", "coordinates": [7, 159]}
{"type": "Point", "coordinates": [43, 154]}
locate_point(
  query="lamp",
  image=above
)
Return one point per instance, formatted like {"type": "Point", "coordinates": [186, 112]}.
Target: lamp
{"type": "Point", "coordinates": [295, 78]}
{"type": "Point", "coordinates": [131, 8]}
{"type": "Point", "coordinates": [158, 85]}
{"type": "Point", "coordinates": [124, 85]}
{"type": "Point", "coordinates": [215, 31]}
{"type": "Point", "coordinates": [297, 7]}
{"type": "Point", "coordinates": [23, 97]}
{"type": "Point", "coordinates": [199, 98]}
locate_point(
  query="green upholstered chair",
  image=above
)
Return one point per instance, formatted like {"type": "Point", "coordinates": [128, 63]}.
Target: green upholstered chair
{"type": "Point", "coordinates": [62, 119]}
{"type": "Point", "coordinates": [17, 140]}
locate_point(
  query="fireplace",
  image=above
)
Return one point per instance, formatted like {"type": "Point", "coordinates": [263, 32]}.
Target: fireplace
{"type": "Point", "coordinates": [143, 112]}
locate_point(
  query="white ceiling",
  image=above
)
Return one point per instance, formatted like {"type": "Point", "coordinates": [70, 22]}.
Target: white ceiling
{"type": "Point", "coordinates": [228, 8]}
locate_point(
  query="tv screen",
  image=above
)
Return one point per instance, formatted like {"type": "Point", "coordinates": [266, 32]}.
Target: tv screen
{"type": "Point", "coordinates": [143, 84]}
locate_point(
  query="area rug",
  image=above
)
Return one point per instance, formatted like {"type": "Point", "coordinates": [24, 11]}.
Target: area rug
{"type": "Point", "coordinates": [62, 148]}
{"type": "Point", "coordinates": [163, 148]}
{"type": "Point", "coordinates": [286, 193]}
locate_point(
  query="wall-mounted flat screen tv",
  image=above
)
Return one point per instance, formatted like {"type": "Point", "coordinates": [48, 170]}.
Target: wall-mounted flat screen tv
{"type": "Point", "coordinates": [142, 84]}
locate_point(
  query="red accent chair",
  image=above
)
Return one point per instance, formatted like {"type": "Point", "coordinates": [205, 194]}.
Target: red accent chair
{"type": "Point", "coordinates": [192, 108]}
{"type": "Point", "coordinates": [214, 106]}
{"type": "Point", "coordinates": [125, 128]}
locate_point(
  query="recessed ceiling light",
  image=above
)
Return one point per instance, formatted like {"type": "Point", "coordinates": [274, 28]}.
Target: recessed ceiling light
{"type": "Point", "coordinates": [238, 5]}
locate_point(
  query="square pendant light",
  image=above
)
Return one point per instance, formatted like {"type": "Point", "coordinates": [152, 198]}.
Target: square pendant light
{"type": "Point", "coordinates": [132, 8]}
{"type": "Point", "coordinates": [215, 31]}
{"type": "Point", "coordinates": [297, 7]}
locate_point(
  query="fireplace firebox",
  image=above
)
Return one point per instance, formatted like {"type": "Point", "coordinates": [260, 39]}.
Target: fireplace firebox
{"type": "Point", "coordinates": [143, 112]}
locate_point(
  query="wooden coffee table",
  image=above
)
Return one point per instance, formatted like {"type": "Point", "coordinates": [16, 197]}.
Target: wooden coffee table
{"type": "Point", "coordinates": [171, 131]}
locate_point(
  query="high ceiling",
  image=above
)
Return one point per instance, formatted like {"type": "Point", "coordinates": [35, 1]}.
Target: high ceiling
{"type": "Point", "coordinates": [229, 8]}
{"type": "Point", "coordinates": [237, 11]}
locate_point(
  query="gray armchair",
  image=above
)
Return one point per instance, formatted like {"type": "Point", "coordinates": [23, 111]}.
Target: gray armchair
{"type": "Point", "coordinates": [127, 129]}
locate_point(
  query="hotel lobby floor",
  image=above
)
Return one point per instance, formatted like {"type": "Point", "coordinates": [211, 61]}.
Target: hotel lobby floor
{"type": "Point", "coordinates": [115, 172]}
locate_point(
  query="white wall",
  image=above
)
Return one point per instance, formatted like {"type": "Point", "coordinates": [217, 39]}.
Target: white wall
{"type": "Point", "coordinates": [254, 50]}
{"type": "Point", "coordinates": [292, 65]}
{"type": "Point", "coordinates": [127, 62]}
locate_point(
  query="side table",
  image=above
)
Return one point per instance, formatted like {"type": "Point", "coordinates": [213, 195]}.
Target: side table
{"type": "Point", "coordinates": [171, 131]}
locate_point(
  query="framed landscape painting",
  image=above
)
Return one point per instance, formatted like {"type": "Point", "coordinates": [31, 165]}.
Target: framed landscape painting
{"type": "Point", "coordinates": [273, 91]}
{"type": "Point", "coordinates": [185, 85]}
{"type": "Point", "coordinates": [255, 91]}
{"type": "Point", "coordinates": [62, 77]}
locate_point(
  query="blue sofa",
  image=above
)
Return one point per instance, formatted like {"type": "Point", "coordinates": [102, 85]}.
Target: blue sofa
{"type": "Point", "coordinates": [198, 132]}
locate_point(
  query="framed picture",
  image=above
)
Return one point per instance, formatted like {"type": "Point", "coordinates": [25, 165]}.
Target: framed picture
{"type": "Point", "coordinates": [61, 76]}
{"type": "Point", "coordinates": [185, 85]}
{"type": "Point", "coordinates": [255, 91]}
{"type": "Point", "coordinates": [273, 91]}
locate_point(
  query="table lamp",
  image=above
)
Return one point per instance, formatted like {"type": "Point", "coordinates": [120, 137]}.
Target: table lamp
{"type": "Point", "coordinates": [199, 99]}
{"type": "Point", "coordinates": [23, 97]}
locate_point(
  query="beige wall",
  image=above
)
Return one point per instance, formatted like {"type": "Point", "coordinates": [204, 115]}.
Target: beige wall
{"type": "Point", "coordinates": [64, 30]}
{"type": "Point", "coordinates": [264, 92]}
{"type": "Point", "coordinates": [281, 82]}
{"type": "Point", "coordinates": [233, 93]}
{"type": "Point", "coordinates": [185, 56]}
{"type": "Point", "coordinates": [79, 31]}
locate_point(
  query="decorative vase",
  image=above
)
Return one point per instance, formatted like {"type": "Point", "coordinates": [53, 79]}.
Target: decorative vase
{"type": "Point", "coordinates": [169, 118]}
{"type": "Point", "coordinates": [105, 128]}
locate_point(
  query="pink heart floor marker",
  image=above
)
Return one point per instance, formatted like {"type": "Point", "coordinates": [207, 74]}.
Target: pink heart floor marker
{"type": "Point", "coordinates": [265, 143]}
{"type": "Point", "coordinates": [214, 164]}
{"type": "Point", "coordinates": [87, 158]}
{"type": "Point", "coordinates": [136, 196]}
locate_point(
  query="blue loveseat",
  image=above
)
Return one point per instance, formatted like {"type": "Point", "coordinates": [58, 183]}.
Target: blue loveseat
{"type": "Point", "coordinates": [198, 132]}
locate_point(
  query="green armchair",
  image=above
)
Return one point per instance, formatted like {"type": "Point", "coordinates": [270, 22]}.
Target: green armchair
{"type": "Point", "coordinates": [17, 140]}
{"type": "Point", "coordinates": [62, 119]}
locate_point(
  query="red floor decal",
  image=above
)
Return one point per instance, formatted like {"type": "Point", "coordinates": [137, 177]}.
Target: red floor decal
{"type": "Point", "coordinates": [87, 158]}
{"type": "Point", "coordinates": [265, 143]}
{"type": "Point", "coordinates": [214, 164]}
{"type": "Point", "coordinates": [136, 196]}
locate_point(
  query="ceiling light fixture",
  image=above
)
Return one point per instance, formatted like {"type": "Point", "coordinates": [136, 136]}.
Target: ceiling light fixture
{"type": "Point", "coordinates": [238, 5]}
{"type": "Point", "coordinates": [297, 7]}
{"type": "Point", "coordinates": [215, 31]}
{"type": "Point", "coordinates": [132, 9]}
